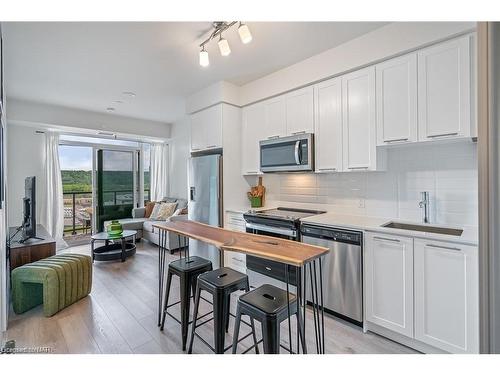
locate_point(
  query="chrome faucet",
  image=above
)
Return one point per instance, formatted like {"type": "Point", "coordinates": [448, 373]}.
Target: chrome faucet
{"type": "Point", "coordinates": [424, 205]}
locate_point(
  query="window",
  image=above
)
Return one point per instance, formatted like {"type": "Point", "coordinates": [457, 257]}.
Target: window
{"type": "Point", "coordinates": [146, 164]}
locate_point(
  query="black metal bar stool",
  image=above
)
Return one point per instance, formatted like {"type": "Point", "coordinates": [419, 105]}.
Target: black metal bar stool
{"type": "Point", "coordinates": [187, 269]}
{"type": "Point", "coordinates": [270, 306]}
{"type": "Point", "coordinates": [220, 284]}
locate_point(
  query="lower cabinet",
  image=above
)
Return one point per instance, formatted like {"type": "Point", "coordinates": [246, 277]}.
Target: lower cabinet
{"type": "Point", "coordinates": [423, 289]}
{"type": "Point", "coordinates": [237, 261]}
{"type": "Point", "coordinates": [389, 282]}
{"type": "Point", "coordinates": [446, 296]}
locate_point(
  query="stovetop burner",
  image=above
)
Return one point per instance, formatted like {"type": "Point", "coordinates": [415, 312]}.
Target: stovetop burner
{"type": "Point", "coordinates": [286, 213]}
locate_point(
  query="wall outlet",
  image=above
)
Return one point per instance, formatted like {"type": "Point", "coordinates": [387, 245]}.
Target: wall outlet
{"type": "Point", "coordinates": [361, 203]}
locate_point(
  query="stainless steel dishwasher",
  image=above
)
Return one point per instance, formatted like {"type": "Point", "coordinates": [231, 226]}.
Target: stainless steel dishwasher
{"type": "Point", "coordinates": [342, 270]}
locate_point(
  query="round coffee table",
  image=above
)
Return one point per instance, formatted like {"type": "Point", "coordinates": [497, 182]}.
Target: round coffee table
{"type": "Point", "coordinates": [114, 247]}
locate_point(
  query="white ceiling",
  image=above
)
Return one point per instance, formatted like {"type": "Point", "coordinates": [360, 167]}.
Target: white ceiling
{"type": "Point", "coordinates": [88, 65]}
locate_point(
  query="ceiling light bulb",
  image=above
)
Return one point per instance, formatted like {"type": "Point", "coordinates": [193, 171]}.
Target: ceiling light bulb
{"type": "Point", "coordinates": [204, 61]}
{"type": "Point", "coordinates": [224, 47]}
{"type": "Point", "coordinates": [245, 35]}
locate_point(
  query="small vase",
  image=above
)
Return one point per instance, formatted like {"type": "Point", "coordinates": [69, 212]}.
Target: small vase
{"type": "Point", "coordinates": [115, 229]}
{"type": "Point", "coordinates": [256, 202]}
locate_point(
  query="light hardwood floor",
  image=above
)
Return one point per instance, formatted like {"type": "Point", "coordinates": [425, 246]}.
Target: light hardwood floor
{"type": "Point", "coordinates": [120, 315]}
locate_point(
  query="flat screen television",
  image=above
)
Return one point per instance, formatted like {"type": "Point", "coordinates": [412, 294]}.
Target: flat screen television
{"type": "Point", "coordinates": [29, 208]}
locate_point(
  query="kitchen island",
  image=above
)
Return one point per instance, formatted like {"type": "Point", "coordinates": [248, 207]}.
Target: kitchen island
{"type": "Point", "coordinates": [307, 259]}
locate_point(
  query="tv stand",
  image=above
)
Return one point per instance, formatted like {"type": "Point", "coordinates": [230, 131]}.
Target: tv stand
{"type": "Point", "coordinates": [23, 240]}
{"type": "Point", "coordinates": [27, 252]}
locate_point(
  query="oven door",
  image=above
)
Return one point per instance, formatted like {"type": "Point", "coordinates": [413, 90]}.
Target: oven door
{"type": "Point", "coordinates": [287, 154]}
{"type": "Point", "coordinates": [272, 269]}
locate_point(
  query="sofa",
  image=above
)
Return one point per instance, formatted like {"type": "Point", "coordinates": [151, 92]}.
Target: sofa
{"type": "Point", "coordinates": [144, 226]}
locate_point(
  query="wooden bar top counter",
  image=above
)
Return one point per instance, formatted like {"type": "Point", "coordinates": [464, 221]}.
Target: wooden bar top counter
{"type": "Point", "coordinates": [272, 248]}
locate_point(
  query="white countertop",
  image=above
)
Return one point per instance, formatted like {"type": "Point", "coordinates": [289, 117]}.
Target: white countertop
{"type": "Point", "coordinates": [373, 224]}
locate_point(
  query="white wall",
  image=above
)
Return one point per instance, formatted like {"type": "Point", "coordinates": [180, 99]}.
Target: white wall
{"type": "Point", "coordinates": [388, 41]}
{"type": "Point", "coordinates": [220, 92]}
{"type": "Point", "coordinates": [447, 171]}
{"type": "Point", "coordinates": [25, 153]}
{"type": "Point", "coordinates": [179, 148]}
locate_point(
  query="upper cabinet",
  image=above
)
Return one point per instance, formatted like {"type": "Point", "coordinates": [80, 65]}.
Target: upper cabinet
{"type": "Point", "coordinates": [289, 114]}
{"type": "Point", "coordinates": [300, 111]}
{"type": "Point", "coordinates": [254, 117]}
{"type": "Point", "coordinates": [206, 128]}
{"type": "Point", "coordinates": [444, 90]}
{"type": "Point", "coordinates": [426, 95]}
{"type": "Point", "coordinates": [328, 125]}
{"type": "Point", "coordinates": [359, 128]}
{"type": "Point", "coordinates": [274, 125]}
{"type": "Point", "coordinates": [397, 100]}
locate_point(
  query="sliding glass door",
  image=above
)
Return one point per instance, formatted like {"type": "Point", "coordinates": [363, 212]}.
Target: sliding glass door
{"type": "Point", "coordinates": [116, 183]}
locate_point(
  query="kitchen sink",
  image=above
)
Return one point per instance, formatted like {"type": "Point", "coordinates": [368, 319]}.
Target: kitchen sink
{"type": "Point", "coordinates": [424, 228]}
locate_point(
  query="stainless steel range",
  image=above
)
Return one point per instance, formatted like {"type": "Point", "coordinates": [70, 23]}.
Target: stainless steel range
{"type": "Point", "coordinates": [280, 222]}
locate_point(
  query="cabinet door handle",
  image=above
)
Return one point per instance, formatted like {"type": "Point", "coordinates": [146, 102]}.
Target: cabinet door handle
{"type": "Point", "coordinates": [299, 132]}
{"type": "Point", "coordinates": [395, 140]}
{"type": "Point", "coordinates": [443, 247]}
{"type": "Point", "coordinates": [252, 172]}
{"type": "Point", "coordinates": [386, 239]}
{"type": "Point", "coordinates": [273, 137]}
{"type": "Point", "coordinates": [354, 168]}
{"type": "Point", "coordinates": [442, 135]}
{"type": "Point", "coordinates": [195, 149]}
{"type": "Point", "coordinates": [212, 146]}
{"type": "Point", "coordinates": [327, 169]}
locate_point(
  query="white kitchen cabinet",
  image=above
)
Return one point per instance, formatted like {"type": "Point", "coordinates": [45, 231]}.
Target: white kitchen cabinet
{"type": "Point", "coordinates": [235, 221]}
{"type": "Point", "coordinates": [396, 82]}
{"type": "Point", "coordinates": [359, 126]}
{"type": "Point", "coordinates": [300, 111]}
{"type": "Point", "coordinates": [446, 296]}
{"type": "Point", "coordinates": [388, 267]}
{"type": "Point", "coordinates": [206, 128]}
{"type": "Point", "coordinates": [274, 125]}
{"type": "Point", "coordinates": [444, 90]}
{"type": "Point", "coordinates": [328, 125]}
{"type": "Point", "coordinates": [253, 122]}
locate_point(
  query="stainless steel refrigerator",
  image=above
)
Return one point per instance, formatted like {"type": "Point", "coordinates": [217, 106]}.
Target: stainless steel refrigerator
{"type": "Point", "coordinates": [205, 200]}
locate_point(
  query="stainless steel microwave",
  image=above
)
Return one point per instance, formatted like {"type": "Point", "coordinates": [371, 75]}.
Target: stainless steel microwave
{"type": "Point", "coordinates": [287, 154]}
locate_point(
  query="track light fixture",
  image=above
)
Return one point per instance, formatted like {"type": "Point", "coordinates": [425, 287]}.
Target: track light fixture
{"type": "Point", "coordinates": [225, 50]}
{"type": "Point", "coordinates": [204, 61]}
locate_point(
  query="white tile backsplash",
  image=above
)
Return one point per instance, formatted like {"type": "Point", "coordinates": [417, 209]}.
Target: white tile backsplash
{"type": "Point", "coordinates": [447, 171]}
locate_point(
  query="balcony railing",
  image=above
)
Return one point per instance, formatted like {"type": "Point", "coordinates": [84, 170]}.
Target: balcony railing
{"type": "Point", "coordinates": [78, 208]}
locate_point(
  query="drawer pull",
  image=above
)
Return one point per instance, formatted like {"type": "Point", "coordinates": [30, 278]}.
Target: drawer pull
{"type": "Point", "coordinates": [252, 172]}
{"type": "Point", "coordinates": [443, 247]}
{"type": "Point", "coordinates": [386, 239]}
{"type": "Point", "coordinates": [273, 137]}
{"type": "Point", "coordinates": [212, 146]}
{"type": "Point", "coordinates": [395, 140]}
{"type": "Point", "coordinates": [268, 269]}
{"type": "Point", "coordinates": [441, 135]}
{"type": "Point", "coordinates": [299, 132]}
{"type": "Point", "coordinates": [327, 169]}
{"type": "Point", "coordinates": [355, 168]}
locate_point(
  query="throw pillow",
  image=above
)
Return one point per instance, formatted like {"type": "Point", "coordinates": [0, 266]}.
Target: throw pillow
{"type": "Point", "coordinates": [165, 210]}
{"type": "Point", "coordinates": [154, 213]}
{"type": "Point", "coordinates": [149, 209]}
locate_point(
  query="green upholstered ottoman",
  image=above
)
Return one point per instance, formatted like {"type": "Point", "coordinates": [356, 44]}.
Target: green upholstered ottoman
{"type": "Point", "coordinates": [57, 282]}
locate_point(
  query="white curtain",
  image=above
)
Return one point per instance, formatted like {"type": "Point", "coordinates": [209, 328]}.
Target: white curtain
{"type": "Point", "coordinates": [52, 202]}
{"type": "Point", "coordinates": [159, 171]}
